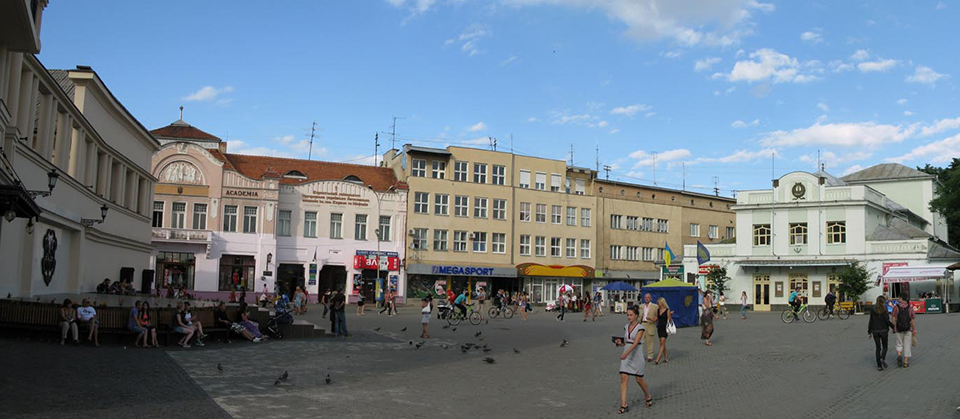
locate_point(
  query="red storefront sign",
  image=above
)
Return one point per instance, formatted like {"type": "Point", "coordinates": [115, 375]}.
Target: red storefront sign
{"type": "Point", "coordinates": [919, 307]}
{"type": "Point", "coordinates": [390, 263]}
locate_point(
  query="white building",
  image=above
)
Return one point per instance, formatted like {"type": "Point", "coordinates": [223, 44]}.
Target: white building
{"type": "Point", "coordinates": [806, 229]}
{"type": "Point", "coordinates": [66, 124]}
{"type": "Point", "coordinates": [229, 222]}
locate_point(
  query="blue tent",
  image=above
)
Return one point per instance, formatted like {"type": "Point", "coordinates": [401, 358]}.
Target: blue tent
{"type": "Point", "coordinates": [619, 286]}
{"type": "Point", "coordinates": [680, 296]}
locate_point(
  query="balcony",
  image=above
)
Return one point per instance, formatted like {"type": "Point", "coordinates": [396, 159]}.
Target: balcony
{"type": "Point", "coordinates": [20, 24]}
{"type": "Point", "coordinates": [179, 235]}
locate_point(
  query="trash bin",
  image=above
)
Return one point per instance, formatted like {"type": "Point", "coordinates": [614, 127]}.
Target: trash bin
{"type": "Point", "coordinates": [934, 305]}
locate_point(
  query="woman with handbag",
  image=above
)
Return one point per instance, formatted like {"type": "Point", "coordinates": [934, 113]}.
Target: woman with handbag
{"type": "Point", "coordinates": [706, 325]}
{"type": "Point", "coordinates": [631, 361]}
{"type": "Point", "coordinates": [664, 320]}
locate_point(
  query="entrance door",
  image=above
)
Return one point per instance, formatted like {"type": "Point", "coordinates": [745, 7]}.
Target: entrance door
{"type": "Point", "coordinates": [290, 276]}
{"type": "Point", "coordinates": [369, 284]}
{"type": "Point", "coordinates": [333, 277]}
{"type": "Point", "coordinates": [799, 283]}
{"type": "Point", "coordinates": [761, 293]}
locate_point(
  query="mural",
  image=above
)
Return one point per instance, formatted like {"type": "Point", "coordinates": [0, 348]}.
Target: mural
{"type": "Point", "coordinates": [48, 264]}
{"type": "Point", "coordinates": [182, 172]}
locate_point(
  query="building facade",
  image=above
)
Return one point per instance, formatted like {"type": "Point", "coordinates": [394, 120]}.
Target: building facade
{"type": "Point", "coordinates": [66, 129]}
{"type": "Point", "coordinates": [226, 223]}
{"type": "Point", "coordinates": [810, 226]}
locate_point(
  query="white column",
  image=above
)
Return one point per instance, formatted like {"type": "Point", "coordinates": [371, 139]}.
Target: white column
{"type": "Point", "coordinates": [12, 98]}
{"type": "Point", "coordinates": [64, 140]}
{"type": "Point", "coordinates": [118, 184]}
{"type": "Point", "coordinates": [78, 158]}
{"type": "Point", "coordinates": [103, 179]}
{"type": "Point", "coordinates": [43, 143]}
{"type": "Point", "coordinates": [130, 194]}
{"type": "Point", "coordinates": [27, 105]}
{"type": "Point", "coordinates": [91, 170]}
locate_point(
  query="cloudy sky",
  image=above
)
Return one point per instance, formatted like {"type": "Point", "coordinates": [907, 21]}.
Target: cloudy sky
{"type": "Point", "coordinates": [730, 89]}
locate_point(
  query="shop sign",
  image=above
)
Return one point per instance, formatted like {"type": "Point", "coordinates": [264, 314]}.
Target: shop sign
{"type": "Point", "coordinates": [267, 273]}
{"type": "Point", "coordinates": [394, 280]}
{"type": "Point", "coordinates": [536, 269]}
{"type": "Point", "coordinates": [460, 270]}
{"type": "Point", "coordinates": [919, 307]}
{"type": "Point", "coordinates": [440, 287]}
{"type": "Point", "coordinates": [676, 271]}
{"type": "Point", "coordinates": [336, 198]}
{"type": "Point", "coordinates": [705, 269]}
{"type": "Point", "coordinates": [357, 284]}
{"type": "Point", "coordinates": [313, 274]}
{"type": "Point", "coordinates": [389, 261]}
{"type": "Point", "coordinates": [887, 266]}
{"type": "Point", "coordinates": [241, 193]}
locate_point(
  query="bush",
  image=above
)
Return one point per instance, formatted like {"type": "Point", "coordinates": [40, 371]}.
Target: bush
{"type": "Point", "coordinates": [854, 281]}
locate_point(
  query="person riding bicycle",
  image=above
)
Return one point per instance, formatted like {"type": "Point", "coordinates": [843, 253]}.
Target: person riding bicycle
{"type": "Point", "coordinates": [459, 303]}
{"type": "Point", "coordinates": [830, 299]}
{"type": "Point", "coordinates": [794, 301]}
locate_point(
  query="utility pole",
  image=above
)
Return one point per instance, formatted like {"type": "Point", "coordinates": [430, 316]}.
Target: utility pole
{"type": "Point", "coordinates": [313, 129]}
{"type": "Point", "coordinates": [654, 168]}
{"type": "Point", "coordinates": [393, 133]}
{"type": "Point", "coordinates": [606, 168]}
{"type": "Point", "coordinates": [571, 154]}
{"type": "Point", "coordinates": [683, 166]}
{"type": "Point", "coordinates": [376, 153]}
{"type": "Point", "coordinates": [598, 161]}
{"type": "Point", "coordinates": [716, 185]}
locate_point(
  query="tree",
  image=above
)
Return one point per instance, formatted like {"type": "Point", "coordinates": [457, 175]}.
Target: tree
{"type": "Point", "coordinates": [947, 201]}
{"type": "Point", "coordinates": [717, 280]}
{"type": "Point", "coordinates": [854, 281]}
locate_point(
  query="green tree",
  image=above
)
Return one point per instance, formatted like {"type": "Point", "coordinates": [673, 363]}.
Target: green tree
{"type": "Point", "coordinates": [854, 281]}
{"type": "Point", "coordinates": [717, 280]}
{"type": "Point", "coordinates": [947, 201]}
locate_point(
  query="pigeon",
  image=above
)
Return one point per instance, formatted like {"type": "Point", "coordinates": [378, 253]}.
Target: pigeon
{"type": "Point", "coordinates": [377, 329]}
{"type": "Point", "coordinates": [481, 338]}
{"type": "Point", "coordinates": [419, 345]}
{"type": "Point", "coordinates": [444, 346]}
{"type": "Point", "coordinates": [220, 368]}
{"type": "Point", "coordinates": [404, 329]}
{"type": "Point", "coordinates": [454, 329]}
{"type": "Point", "coordinates": [477, 334]}
{"type": "Point", "coordinates": [516, 351]}
{"type": "Point", "coordinates": [488, 321]}
{"type": "Point", "coordinates": [463, 349]}
{"type": "Point", "coordinates": [446, 326]}
{"type": "Point", "coordinates": [38, 300]}
{"type": "Point", "coordinates": [281, 379]}
{"type": "Point", "coordinates": [489, 360]}
{"type": "Point", "coordinates": [8, 295]}
{"type": "Point", "coordinates": [411, 342]}
{"type": "Point", "coordinates": [53, 301]}
{"type": "Point", "coordinates": [564, 343]}
{"type": "Point", "coordinates": [327, 380]}
{"type": "Point", "coordinates": [485, 350]}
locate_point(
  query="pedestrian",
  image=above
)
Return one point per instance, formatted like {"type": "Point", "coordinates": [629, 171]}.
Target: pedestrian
{"type": "Point", "coordinates": [340, 304]}
{"type": "Point", "coordinates": [360, 302]}
{"type": "Point", "coordinates": [385, 306]}
{"type": "Point", "coordinates": [906, 332]}
{"type": "Point", "coordinates": [743, 306]}
{"type": "Point", "coordinates": [426, 309]}
{"type": "Point", "coordinates": [299, 301]}
{"type": "Point", "coordinates": [664, 316]}
{"type": "Point", "coordinates": [524, 305]}
{"type": "Point", "coordinates": [706, 324]}
{"type": "Point", "coordinates": [648, 318]}
{"type": "Point", "coordinates": [333, 312]}
{"type": "Point", "coordinates": [598, 304]}
{"type": "Point", "coordinates": [631, 361]}
{"type": "Point", "coordinates": [393, 303]}
{"type": "Point", "coordinates": [699, 302]}
{"type": "Point", "coordinates": [561, 307]}
{"type": "Point", "coordinates": [877, 328]}
{"type": "Point", "coordinates": [587, 308]}
{"type": "Point", "coordinates": [481, 297]}
{"type": "Point", "coordinates": [722, 307]}
{"type": "Point", "coordinates": [325, 302]}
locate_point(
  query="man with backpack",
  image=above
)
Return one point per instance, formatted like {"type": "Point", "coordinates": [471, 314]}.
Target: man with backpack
{"type": "Point", "coordinates": [904, 330]}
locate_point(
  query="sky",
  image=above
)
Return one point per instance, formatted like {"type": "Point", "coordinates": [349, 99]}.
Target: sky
{"type": "Point", "coordinates": [680, 93]}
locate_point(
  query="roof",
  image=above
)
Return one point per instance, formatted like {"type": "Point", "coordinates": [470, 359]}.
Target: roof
{"type": "Point", "coordinates": [429, 150]}
{"type": "Point", "coordinates": [898, 229]}
{"type": "Point", "coordinates": [669, 283]}
{"type": "Point", "coordinates": [63, 79]}
{"type": "Point", "coordinates": [886, 171]}
{"type": "Point", "coordinates": [662, 189]}
{"type": "Point", "coordinates": [830, 179]}
{"type": "Point", "coordinates": [261, 167]}
{"type": "Point", "coordinates": [182, 130]}
{"type": "Point", "coordinates": [796, 262]}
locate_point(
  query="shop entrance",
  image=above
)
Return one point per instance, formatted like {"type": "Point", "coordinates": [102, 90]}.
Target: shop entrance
{"type": "Point", "coordinates": [761, 293]}
{"type": "Point", "coordinates": [370, 286]}
{"type": "Point", "coordinates": [333, 277]}
{"type": "Point", "coordinates": [290, 276]}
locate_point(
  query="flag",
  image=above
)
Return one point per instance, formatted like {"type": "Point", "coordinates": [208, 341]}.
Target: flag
{"type": "Point", "coordinates": [667, 254]}
{"type": "Point", "coordinates": [315, 254]}
{"type": "Point", "coordinates": [703, 255]}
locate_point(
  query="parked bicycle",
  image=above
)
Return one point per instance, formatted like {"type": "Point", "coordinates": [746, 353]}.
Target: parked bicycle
{"type": "Point", "coordinates": [790, 316]}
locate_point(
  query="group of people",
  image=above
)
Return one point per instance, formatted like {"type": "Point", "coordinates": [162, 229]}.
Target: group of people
{"type": "Point", "coordinates": [591, 307]}
{"type": "Point", "coordinates": [902, 320]}
{"type": "Point", "coordinates": [645, 323]}
{"type": "Point", "coordinates": [334, 302]}
{"type": "Point", "coordinates": [73, 318]}
{"type": "Point", "coordinates": [115, 288]}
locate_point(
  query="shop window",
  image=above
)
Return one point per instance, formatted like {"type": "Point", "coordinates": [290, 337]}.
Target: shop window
{"type": "Point", "coordinates": [175, 270]}
{"type": "Point", "coordinates": [237, 273]}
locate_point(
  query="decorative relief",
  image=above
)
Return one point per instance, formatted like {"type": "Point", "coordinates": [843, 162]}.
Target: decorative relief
{"type": "Point", "coordinates": [182, 172]}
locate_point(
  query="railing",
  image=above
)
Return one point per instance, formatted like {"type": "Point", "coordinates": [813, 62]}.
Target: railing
{"type": "Point", "coordinates": [175, 234]}
{"type": "Point", "coordinates": [716, 250]}
{"type": "Point", "coordinates": [899, 246]}
{"type": "Point", "coordinates": [758, 198]}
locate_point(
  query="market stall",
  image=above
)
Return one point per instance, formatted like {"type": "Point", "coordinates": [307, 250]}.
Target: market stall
{"type": "Point", "coordinates": [938, 274]}
{"type": "Point", "coordinates": [680, 296]}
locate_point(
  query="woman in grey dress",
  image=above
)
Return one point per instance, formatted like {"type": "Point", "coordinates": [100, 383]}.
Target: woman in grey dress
{"type": "Point", "coordinates": [631, 362]}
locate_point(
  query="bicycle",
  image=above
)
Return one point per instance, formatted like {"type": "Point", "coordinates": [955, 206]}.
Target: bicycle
{"type": "Point", "coordinates": [496, 311]}
{"type": "Point", "coordinates": [455, 316]}
{"type": "Point", "coordinates": [789, 316]}
{"type": "Point", "coordinates": [841, 313]}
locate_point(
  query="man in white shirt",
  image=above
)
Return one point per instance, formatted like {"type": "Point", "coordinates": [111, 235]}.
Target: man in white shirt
{"type": "Point", "coordinates": [87, 316]}
{"type": "Point", "coordinates": [649, 320]}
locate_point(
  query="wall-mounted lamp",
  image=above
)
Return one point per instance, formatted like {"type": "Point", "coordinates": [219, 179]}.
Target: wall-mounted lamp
{"type": "Point", "coordinates": [30, 226]}
{"type": "Point", "coordinates": [89, 222]}
{"type": "Point", "coordinates": [52, 177]}
{"type": "Point", "coordinates": [269, 258]}
{"type": "Point", "coordinates": [9, 215]}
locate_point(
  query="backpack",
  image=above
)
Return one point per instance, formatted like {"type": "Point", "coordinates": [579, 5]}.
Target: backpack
{"type": "Point", "coordinates": [903, 319]}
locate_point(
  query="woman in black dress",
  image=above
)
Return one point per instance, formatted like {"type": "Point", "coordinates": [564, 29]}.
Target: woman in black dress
{"type": "Point", "coordinates": [664, 316]}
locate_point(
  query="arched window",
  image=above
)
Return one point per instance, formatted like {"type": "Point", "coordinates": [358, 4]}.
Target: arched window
{"type": "Point", "coordinates": [352, 178]}
{"type": "Point", "coordinates": [295, 174]}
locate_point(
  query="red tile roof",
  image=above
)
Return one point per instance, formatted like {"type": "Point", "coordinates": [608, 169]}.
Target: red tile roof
{"type": "Point", "coordinates": [260, 167]}
{"type": "Point", "coordinates": [180, 129]}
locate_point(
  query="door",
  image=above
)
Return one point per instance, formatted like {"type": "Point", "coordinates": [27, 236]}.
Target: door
{"type": "Point", "coordinates": [799, 283]}
{"type": "Point", "coordinates": [290, 276]}
{"type": "Point", "coordinates": [761, 293]}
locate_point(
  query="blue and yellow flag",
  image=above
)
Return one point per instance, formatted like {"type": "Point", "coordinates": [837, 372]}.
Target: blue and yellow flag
{"type": "Point", "coordinates": [703, 255]}
{"type": "Point", "coordinates": [667, 254]}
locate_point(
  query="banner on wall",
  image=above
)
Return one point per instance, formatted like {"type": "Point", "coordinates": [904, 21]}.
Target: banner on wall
{"type": "Point", "coordinates": [357, 283]}
{"type": "Point", "coordinates": [480, 284]}
{"type": "Point", "coordinates": [394, 280]}
{"type": "Point", "coordinates": [440, 287]}
{"type": "Point", "coordinates": [312, 280]}
{"type": "Point", "coordinates": [366, 259]}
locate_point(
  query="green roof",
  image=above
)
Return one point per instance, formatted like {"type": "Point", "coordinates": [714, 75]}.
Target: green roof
{"type": "Point", "coordinates": [669, 282]}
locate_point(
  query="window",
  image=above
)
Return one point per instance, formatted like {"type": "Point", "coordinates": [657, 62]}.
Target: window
{"type": "Point", "coordinates": [459, 241]}
{"type": "Point", "coordinates": [499, 174]}
{"type": "Point", "coordinates": [479, 173]}
{"type": "Point", "coordinates": [525, 179]}
{"type": "Point", "coordinates": [249, 219]}
{"type": "Point", "coordinates": [440, 240]}
{"type": "Point", "coordinates": [555, 216]}
{"type": "Point", "coordinates": [646, 224]}
{"type": "Point", "coordinates": [541, 182]}
{"type": "Point", "coordinates": [199, 216]}
{"type": "Point", "coordinates": [479, 242]}
{"type": "Point", "coordinates": [460, 206]}
{"type": "Point", "coordinates": [584, 249]}
{"type": "Point", "coordinates": [179, 215]}
{"type": "Point", "coordinates": [663, 226]}
{"type": "Point", "coordinates": [798, 233]}
{"type": "Point", "coordinates": [336, 226]}
{"type": "Point", "coordinates": [237, 273]}
{"type": "Point", "coordinates": [310, 224]}
{"type": "Point", "coordinates": [615, 252]}
{"type": "Point", "coordinates": [616, 221]}
{"type": "Point", "coordinates": [524, 245]}
{"type": "Point", "coordinates": [158, 214]}
{"type": "Point", "coordinates": [714, 232]}
{"type": "Point", "coordinates": [585, 217]}
{"type": "Point", "coordinates": [479, 207]}
{"type": "Point", "coordinates": [761, 234]}
{"type": "Point", "coordinates": [581, 186]}
{"type": "Point", "coordinates": [566, 185]}
{"type": "Point", "coordinates": [632, 253]}
{"type": "Point", "coordinates": [554, 183]}
{"type": "Point", "coordinates": [731, 232]}
{"type": "Point", "coordinates": [460, 171]}
{"type": "Point", "coordinates": [525, 212]}
{"type": "Point", "coordinates": [633, 223]}
{"type": "Point", "coordinates": [384, 232]}
{"type": "Point", "coordinates": [230, 218]}
{"type": "Point", "coordinates": [421, 202]}
{"type": "Point", "coordinates": [836, 232]}
{"type": "Point", "coordinates": [499, 209]}
{"type": "Point", "coordinates": [498, 243]}
{"type": "Point", "coordinates": [658, 254]}
{"type": "Point", "coordinates": [419, 168]}
{"type": "Point", "coordinates": [572, 248]}
{"type": "Point", "coordinates": [419, 239]}
{"type": "Point", "coordinates": [571, 216]}
{"type": "Point", "coordinates": [540, 246]}
{"type": "Point", "coordinates": [694, 230]}
{"type": "Point", "coordinates": [360, 227]}
{"type": "Point", "coordinates": [648, 254]}
{"type": "Point", "coordinates": [283, 222]}
{"type": "Point", "coordinates": [441, 204]}
{"type": "Point", "coordinates": [554, 247]}
{"type": "Point", "coordinates": [177, 270]}
{"type": "Point", "coordinates": [439, 169]}
{"type": "Point", "coordinates": [541, 213]}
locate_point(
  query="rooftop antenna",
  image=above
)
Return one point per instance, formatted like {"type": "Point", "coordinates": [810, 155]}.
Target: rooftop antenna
{"type": "Point", "coordinates": [683, 166]}
{"type": "Point", "coordinates": [819, 164]}
{"type": "Point", "coordinates": [376, 148]}
{"type": "Point", "coordinates": [716, 185]}
{"type": "Point", "coordinates": [393, 133]}
{"type": "Point", "coordinates": [598, 160]}
{"type": "Point", "coordinates": [607, 168]}
{"type": "Point", "coordinates": [654, 168]}
{"type": "Point", "coordinates": [571, 154]}
{"type": "Point", "coordinates": [313, 129]}
{"type": "Point", "coordinates": [181, 112]}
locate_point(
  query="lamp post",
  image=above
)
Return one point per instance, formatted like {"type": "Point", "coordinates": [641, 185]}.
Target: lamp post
{"type": "Point", "coordinates": [379, 233]}
{"type": "Point", "coordinates": [89, 222]}
{"type": "Point", "coordinates": [52, 177]}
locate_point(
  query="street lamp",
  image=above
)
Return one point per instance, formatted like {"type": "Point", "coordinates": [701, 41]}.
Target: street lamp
{"type": "Point", "coordinates": [52, 177]}
{"type": "Point", "coordinates": [379, 233]}
{"type": "Point", "coordinates": [89, 222]}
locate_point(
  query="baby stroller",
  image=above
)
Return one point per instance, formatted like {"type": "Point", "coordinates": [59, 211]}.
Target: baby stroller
{"type": "Point", "coordinates": [281, 316]}
{"type": "Point", "coordinates": [443, 309]}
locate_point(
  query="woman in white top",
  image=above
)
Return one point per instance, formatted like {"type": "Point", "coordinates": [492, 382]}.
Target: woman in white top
{"type": "Point", "coordinates": [426, 308]}
{"type": "Point", "coordinates": [722, 306]}
{"type": "Point", "coordinates": [743, 306]}
{"type": "Point", "coordinates": [631, 361]}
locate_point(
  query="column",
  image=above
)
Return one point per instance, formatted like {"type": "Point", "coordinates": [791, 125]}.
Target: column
{"type": "Point", "coordinates": [43, 142]}
{"type": "Point", "coordinates": [4, 71]}
{"type": "Point", "coordinates": [12, 97]}
{"type": "Point", "coordinates": [103, 177]}
{"type": "Point", "coordinates": [64, 141]}
{"type": "Point", "coordinates": [117, 184]}
{"type": "Point", "coordinates": [130, 196]}
{"type": "Point", "coordinates": [78, 158]}
{"type": "Point", "coordinates": [146, 196]}
{"type": "Point", "coordinates": [92, 170]}
{"type": "Point", "coordinates": [27, 105]}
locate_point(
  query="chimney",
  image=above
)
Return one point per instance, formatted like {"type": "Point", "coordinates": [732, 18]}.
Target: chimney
{"type": "Point", "coordinates": [222, 146]}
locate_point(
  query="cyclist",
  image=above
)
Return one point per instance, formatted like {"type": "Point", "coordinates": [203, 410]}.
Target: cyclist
{"type": "Point", "coordinates": [794, 301]}
{"type": "Point", "coordinates": [830, 299]}
{"type": "Point", "coordinates": [459, 302]}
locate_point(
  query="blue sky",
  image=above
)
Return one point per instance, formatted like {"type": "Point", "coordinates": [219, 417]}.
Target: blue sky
{"type": "Point", "coordinates": [711, 87]}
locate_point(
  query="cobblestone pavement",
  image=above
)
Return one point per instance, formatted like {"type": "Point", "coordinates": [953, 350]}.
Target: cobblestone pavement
{"type": "Point", "coordinates": [758, 368]}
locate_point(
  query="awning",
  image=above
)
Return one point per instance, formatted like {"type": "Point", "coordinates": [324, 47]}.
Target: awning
{"type": "Point", "coordinates": [954, 267]}
{"type": "Point", "coordinates": [795, 262]}
{"type": "Point", "coordinates": [632, 275]}
{"type": "Point", "coordinates": [914, 273]}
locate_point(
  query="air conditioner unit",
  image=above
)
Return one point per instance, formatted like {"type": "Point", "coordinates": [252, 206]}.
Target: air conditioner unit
{"type": "Point", "coordinates": [472, 236]}
{"type": "Point", "coordinates": [413, 245]}
{"type": "Point", "coordinates": [411, 232]}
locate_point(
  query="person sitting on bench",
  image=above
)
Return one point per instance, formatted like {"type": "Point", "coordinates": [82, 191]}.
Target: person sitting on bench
{"type": "Point", "coordinates": [221, 319]}
{"type": "Point", "coordinates": [87, 317]}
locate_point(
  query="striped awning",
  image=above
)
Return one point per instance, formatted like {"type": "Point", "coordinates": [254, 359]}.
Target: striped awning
{"type": "Point", "coordinates": [914, 273]}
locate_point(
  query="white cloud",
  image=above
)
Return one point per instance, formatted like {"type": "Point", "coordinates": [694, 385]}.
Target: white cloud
{"type": "Point", "coordinates": [830, 159]}
{"type": "Point", "coordinates": [705, 63]}
{"type": "Point", "coordinates": [852, 169]}
{"type": "Point", "coordinates": [285, 146]}
{"type": "Point", "coordinates": [769, 64]}
{"type": "Point", "coordinates": [740, 156]}
{"type": "Point", "coordinates": [813, 37]}
{"type": "Point", "coordinates": [925, 75]}
{"type": "Point", "coordinates": [532, 119]}
{"type": "Point", "coordinates": [937, 152]}
{"type": "Point", "coordinates": [907, 113]}
{"type": "Point", "coordinates": [940, 126]}
{"type": "Point", "coordinates": [740, 124]}
{"type": "Point", "coordinates": [901, 101]}
{"type": "Point", "coordinates": [823, 106]}
{"type": "Point", "coordinates": [416, 6]}
{"type": "Point", "coordinates": [645, 158]}
{"type": "Point", "coordinates": [673, 54]}
{"type": "Point", "coordinates": [852, 134]}
{"type": "Point", "coordinates": [649, 114]}
{"type": "Point", "coordinates": [941, 6]}
{"type": "Point", "coordinates": [561, 119]}
{"type": "Point", "coordinates": [878, 65]}
{"type": "Point", "coordinates": [602, 124]}
{"type": "Point", "coordinates": [477, 141]}
{"type": "Point", "coordinates": [468, 40]}
{"type": "Point", "coordinates": [479, 126]}
{"type": "Point", "coordinates": [860, 55]}
{"type": "Point", "coordinates": [630, 110]}
{"type": "Point", "coordinates": [207, 93]}
{"type": "Point", "coordinates": [840, 66]}
{"type": "Point", "coordinates": [506, 62]}
{"type": "Point", "coordinates": [614, 131]}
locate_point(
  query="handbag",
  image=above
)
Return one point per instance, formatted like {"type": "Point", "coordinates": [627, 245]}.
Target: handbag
{"type": "Point", "coordinates": [913, 340]}
{"type": "Point", "coordinates": [671, 328]}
